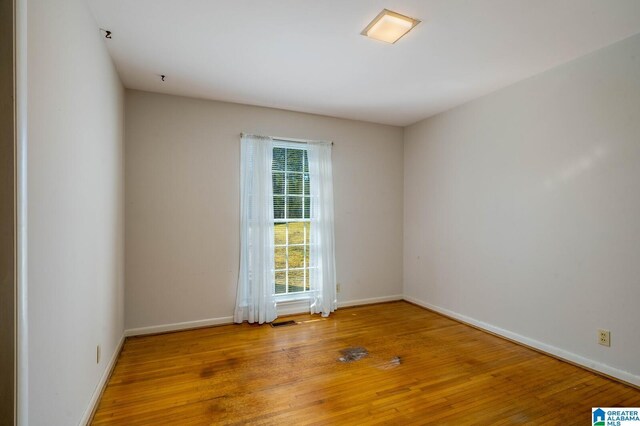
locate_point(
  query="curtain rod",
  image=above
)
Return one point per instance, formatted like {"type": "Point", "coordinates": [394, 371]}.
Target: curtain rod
{"type": "Point", "coordinates": [278, 138]}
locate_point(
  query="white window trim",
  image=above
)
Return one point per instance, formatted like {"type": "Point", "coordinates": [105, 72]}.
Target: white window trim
{"type": "Point", "coordinates": [290, 298]}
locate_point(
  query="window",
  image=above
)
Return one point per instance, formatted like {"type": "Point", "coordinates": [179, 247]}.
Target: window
{"type": "Point", "coordinates": [291, 212]}
{"type": "Point", "coordinates": [286, 227]}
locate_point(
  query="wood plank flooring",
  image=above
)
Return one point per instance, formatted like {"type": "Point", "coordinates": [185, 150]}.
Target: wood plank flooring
{"type": "Point", "coordinates": [422, 368]}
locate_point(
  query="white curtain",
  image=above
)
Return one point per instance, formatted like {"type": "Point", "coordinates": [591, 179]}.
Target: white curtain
{"type": "Point", "coordinates": [255, 302]}
{"type": "Point", "coordinates": [322, 278]}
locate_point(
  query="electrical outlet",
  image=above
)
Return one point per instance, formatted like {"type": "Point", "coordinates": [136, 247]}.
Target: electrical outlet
{"type": "Point", "coordinates": [337, 287]}
{"type": "Point", "coordinates": [604, 337]}
{"type": "Point", "coordinates": [98, 354]}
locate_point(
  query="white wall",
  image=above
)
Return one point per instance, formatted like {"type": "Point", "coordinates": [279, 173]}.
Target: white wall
{"type": "Point", "coordinates": [521, 210]}
{"type": "Point", "coordinates": [75, 210]}
{"type": "Point", "coordinates": [182, 204]}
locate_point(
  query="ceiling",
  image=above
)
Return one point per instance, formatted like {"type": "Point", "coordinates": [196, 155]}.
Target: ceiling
{"type": "Point", "coordinates": [309, 56]}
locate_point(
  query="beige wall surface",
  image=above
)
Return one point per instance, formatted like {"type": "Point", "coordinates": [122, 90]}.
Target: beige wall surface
{"type": "Point", "coordinates": [75, 210]}
{"type": "Point", "coordinates": [182, 203]}
{"type": "Point", "coordinates": [7, 212]}
{"type": "Point", "coordinates": [521, 210]}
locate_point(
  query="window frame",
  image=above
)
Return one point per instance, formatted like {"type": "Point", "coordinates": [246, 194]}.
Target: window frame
{"type": "Point", "coordinates": [306, 268]}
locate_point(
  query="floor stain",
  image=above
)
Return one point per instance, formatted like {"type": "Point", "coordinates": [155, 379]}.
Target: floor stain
{"type": "Point", "coordinates": [353, 354]}
{"type": "Point", "coordinates": [207, 372]}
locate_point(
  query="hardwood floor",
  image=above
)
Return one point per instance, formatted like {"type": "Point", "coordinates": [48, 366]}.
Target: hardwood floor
{"type": "Point", "coordinates": [422, 368]}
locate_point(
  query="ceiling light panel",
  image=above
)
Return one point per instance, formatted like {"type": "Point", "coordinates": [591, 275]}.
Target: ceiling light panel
{"type": "Point", "coordinates": [389, 26]}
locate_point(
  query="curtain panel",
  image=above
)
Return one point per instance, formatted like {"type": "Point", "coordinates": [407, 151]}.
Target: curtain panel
{"type": "Point", "coordinates": [255, 300]}
{"type": "Point", "coordinates": [322, 278]}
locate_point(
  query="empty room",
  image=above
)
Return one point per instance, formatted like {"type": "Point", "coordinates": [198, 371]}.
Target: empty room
{"type": "Point", "coordinates": [320, 212]}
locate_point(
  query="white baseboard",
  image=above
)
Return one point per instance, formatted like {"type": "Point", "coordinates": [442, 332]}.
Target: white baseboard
{"type": "Point", "coordinates": [369, 301]}
{"type": "Point", "coordinates": [97, 393]}
{"type": "Point", "coordinates": [284, 308]}
{"type": "Point", "coordinates": [552, 350]}
{"type": "Point", "coordinates": [178, 326]}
